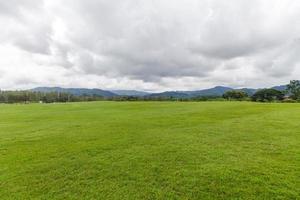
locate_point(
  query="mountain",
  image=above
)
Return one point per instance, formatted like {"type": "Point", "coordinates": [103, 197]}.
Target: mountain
{"type": "Point", "coordinates": [170, 94]}
{"type": "Point", "coordinates": [280, 87]}
{"type": "Point", "coordinates": [76, 91]}
{"type": "Point", "coordinates": [249, 91]}
{"type": "Point", "coordinates": [216, 91]}
{"type": "Point", "coordinates": [130, 93]}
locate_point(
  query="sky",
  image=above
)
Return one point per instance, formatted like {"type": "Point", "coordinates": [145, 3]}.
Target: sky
{"type": "Point", "coordinates": [150, 45]}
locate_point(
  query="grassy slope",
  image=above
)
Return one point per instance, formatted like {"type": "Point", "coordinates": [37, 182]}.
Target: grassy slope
{"type": "Point", "coordinates": [151, 150]}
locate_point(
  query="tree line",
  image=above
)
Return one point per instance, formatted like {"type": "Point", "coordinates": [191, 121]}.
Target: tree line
{"type": "Point", "coordinates": [291, 94]}
{"type": "Point", "coordinates": [45, 97]}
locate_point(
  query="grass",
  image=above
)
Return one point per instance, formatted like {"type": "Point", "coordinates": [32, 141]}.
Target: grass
{"type": "Point", "coordinates": [150, 150]}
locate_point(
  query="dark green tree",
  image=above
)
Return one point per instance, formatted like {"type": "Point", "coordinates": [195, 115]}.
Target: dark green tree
{"type": "Point", "coordinates": [267, 95]}
{"type": "Point", "coordinates": [235, 95]}
{"type": "Point", "coordinates": [293, 88]}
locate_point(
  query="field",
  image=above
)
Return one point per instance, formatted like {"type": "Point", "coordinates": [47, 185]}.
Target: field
{"type": "Point", "coordinates": [150, 150]}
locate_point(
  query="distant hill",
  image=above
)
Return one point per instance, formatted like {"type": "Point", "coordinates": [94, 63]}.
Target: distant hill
{"type": "Point", "coordinates": [215, 91]}
{"type": "Point", "coordinates": [249, 91]}
{"type": "Point", "coordinates": [130, 93]}
{"type": "Point", "coordinates": [172, 94]}
{"type": "Point", "coordinates": [76, 91]}
{"type": "Point", "coordinates": [281, 87]}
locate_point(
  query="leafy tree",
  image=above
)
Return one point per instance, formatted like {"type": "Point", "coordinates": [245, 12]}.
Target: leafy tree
{"type": "Point", "coordinates": [294, 89]}
{"type": "Point", "coordinates": [267, 95]}
{"type": "Point", "coordinates": [49, 97]}
{"type": "Point", "coordinates": [235, 94]}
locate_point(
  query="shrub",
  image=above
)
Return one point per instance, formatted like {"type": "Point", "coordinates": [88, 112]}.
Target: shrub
{"type": "Point", "coordinates": [289, 101]}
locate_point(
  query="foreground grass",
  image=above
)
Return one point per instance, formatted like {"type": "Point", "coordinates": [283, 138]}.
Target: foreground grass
{"type": "Point", "coordinates": [150, 150]}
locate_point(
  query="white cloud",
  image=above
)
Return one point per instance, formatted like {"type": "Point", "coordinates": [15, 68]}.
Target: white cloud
{"type": "Point", "coordinates": [152, 45]}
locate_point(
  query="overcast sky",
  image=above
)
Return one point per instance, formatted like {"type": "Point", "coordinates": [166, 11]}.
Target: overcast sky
{"type": "Point", "coordinates": [151, 45]}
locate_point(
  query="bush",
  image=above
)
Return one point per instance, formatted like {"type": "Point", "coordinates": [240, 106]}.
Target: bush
{"type": "Point", "coordinates": [289, 101]}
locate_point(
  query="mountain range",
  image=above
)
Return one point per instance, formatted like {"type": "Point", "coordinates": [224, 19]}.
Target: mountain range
{"type": "Point", "coordinates": [215, 91]}
{"type": "Point", "coordinates": [76, 91]}
{"type": "Point", "coordinates": [130, 93]}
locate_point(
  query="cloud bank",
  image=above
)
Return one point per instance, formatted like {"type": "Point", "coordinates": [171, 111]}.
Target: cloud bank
{"type": "Point", "coordinates": [150, 45]}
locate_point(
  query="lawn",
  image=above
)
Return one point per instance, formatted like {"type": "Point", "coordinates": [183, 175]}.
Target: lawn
{"type": "Point", "coordinates": [150, 150]}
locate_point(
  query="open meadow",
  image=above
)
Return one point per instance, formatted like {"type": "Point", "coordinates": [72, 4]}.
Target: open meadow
{"type": "Point", "coordinates": [150, 150]}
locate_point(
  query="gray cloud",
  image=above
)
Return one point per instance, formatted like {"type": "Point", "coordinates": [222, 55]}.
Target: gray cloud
{"type": "Point", "coordinates": [15, 8]}
{"type": "Point", "coordinates": [153, 44]}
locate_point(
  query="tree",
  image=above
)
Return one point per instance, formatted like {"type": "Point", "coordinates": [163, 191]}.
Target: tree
{"type": "Point", "coordinates": [235, 94]}
{"type": "Point", "coordinates": [267, 95]}
{"type": "Point", "coordinates": [294, 89]}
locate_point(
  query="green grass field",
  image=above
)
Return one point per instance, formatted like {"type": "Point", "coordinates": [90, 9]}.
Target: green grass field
{"type": "Point", "coordinates": [150, 150]}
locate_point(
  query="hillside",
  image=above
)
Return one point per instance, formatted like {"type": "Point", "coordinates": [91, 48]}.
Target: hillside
{"type": "Point", "coordinates": [76, 91]}
{"type": "Point", "coordinates": [130, 93]}
{"type": "Point", "coordinates": [215, 91]}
